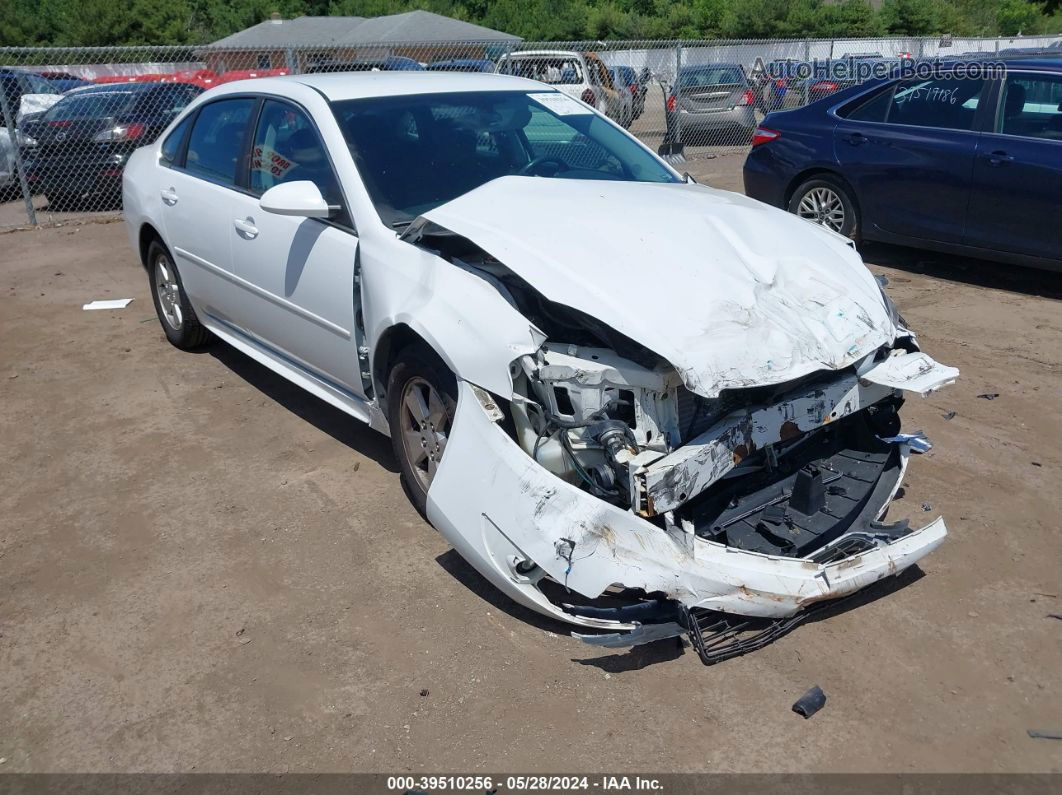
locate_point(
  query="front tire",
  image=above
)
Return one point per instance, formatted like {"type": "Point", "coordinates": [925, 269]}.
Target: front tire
{"type": "Point", "coordinates": [421, 403]}
{"type": "Point", "coordinates": [178, 319]}
{"type": "Point", "coordinates": [827, 201]}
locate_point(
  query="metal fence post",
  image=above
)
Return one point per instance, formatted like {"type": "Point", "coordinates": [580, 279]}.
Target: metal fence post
{"type": "Point", "coordinates": [9, 122]}
{"type": "Point", "coordinates": [290, 61]}
{"type": "Point", "coordinates": [804, 84]}
{"type": "Point", "coordinates": [678, 95]}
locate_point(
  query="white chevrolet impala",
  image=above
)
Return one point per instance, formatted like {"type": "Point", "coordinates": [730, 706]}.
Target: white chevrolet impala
{"type": "Point", "coordinates": [629, 401]}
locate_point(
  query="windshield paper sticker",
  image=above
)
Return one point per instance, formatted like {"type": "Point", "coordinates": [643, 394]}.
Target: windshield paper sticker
{"type": "Point", "coordinates": [559, 103]}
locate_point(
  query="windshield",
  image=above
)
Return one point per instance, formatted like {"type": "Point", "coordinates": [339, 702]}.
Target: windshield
{"type": "Point", "coordinates": [556, 70]}
{"type": "Point", "coordinates": [417, 152]}
{"type": "Point", "coordinates": [711, 76]}
{"type": "Point", "coordinates": [96, 105]}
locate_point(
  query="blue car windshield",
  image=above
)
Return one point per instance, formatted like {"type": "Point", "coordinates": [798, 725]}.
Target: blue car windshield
{"type": "Point", "coordinates": [418, 151]}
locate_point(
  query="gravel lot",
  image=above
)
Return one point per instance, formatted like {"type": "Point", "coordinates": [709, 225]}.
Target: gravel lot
{"type": "Point", "coordinates": [202, 568]}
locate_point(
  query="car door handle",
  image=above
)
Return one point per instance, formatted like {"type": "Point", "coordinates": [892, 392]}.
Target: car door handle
{"type": "Point", "coordinates": [998, 158]}
{"type": "Point", "coordinates": [246, 228]}
{"type": "Point", "coordinates": [856, 139]}
{"type": "Point", "coordinates": [169, 197]}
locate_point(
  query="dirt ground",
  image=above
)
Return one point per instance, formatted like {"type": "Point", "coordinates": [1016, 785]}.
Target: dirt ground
{"type": "Point", "coordinates": [204, 569]}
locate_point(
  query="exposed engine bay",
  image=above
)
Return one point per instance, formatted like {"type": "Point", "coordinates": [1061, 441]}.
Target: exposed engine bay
{"type": "Point", "coordinates": [803, 469]}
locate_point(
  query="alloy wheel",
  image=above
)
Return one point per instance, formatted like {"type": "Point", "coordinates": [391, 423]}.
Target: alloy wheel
{"type": "Point", "coordinates": [424, 425]}
{"type": "Point", "coordinates": [824, 207]}
{"type": "Point", "coordinates": [169, 292]}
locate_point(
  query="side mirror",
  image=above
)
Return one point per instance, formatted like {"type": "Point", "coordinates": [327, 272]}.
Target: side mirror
{"type": "Point", "coordinates": [301, 198]}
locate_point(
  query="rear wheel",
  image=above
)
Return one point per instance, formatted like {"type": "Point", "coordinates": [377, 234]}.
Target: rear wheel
{"type": "Point", "coordinates": [827, 202]}
{"type": "Point", "coordinates": [175, 312]}
{"type": "Point", "coordinates": [421, 402]}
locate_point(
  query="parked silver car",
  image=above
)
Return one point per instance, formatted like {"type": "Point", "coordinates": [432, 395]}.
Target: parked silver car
{"type": "Point", "coordinates": [711, 98]}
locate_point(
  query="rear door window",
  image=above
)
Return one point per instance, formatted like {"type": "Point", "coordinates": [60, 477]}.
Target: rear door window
{"type": "Point", "coordinates": [943, 102]}
{"type": "Point", "coordinates": [216, 141]}
{"type": "Point", "coordinates": [1031, 107]}
{"type": "Point", "coordinates": [873, 109]}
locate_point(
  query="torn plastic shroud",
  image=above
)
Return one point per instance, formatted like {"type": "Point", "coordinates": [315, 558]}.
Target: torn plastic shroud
{"type": "Point", "coordinates": [833, 481]}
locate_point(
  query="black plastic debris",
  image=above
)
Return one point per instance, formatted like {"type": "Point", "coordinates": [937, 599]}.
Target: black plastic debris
{"type": "Point", "coordinates": [989, 396]}
{"type": "Point", "coordinates": [775, 514]}
{"type": "Point", "coordinates": [950, 415]}
{"type": "Point", "coordinates": [1043, 735]}
{"type": "Point", "coordinates": [810, 703]}
{"type": "Point", "coordinates": [1036, 463]}
{"type": "Point", "coordinates": [926, 507]}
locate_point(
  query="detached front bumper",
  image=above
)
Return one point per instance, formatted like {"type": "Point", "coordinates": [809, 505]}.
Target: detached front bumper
{"type": "Point", "coordinates": [500, 509]}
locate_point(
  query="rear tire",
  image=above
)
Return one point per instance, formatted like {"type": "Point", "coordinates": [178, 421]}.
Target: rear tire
{"type": "Point", "coordinates": [827, 201]}
{"type": "Point", "coordinates": [421, 403]}
{"type": "Point", "coordinates": [178, 319]}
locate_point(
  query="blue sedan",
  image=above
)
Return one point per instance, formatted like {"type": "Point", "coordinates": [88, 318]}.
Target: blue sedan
{"type": "Point", "coordinates": [947, 162]}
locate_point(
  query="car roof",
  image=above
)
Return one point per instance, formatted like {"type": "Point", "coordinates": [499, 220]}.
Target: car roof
{"type": "Point", "coordinates": [128, 88]}
{"type": "Point", "coordinates": [462, 61]}
{"type": "Point", "coordinates": [541, 53]}
{"type": "Point", "coordinates": [1052, 64]}
{"type": "Point", "coordinates": [693, 67]}
{"type": "Point", "coordinates": [339, 86]}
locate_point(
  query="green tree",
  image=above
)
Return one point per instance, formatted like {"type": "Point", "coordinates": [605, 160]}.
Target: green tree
{"type": "Point", "coordinates": [911, 17]}
{"type": "Point", "coordinates": [1019, 16]}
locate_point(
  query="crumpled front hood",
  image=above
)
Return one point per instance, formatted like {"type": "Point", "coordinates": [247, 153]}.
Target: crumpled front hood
{"type": "Point", "coordinates": [731, 292]}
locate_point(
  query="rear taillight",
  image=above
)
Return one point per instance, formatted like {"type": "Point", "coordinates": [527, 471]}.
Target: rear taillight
{"type": "Point", "coordinates": [120, 132]}
{"type": "Point", "coordinates": [748, 98]}
{"type": "Point", "coordinates": [762, 135]}
{"type": "Point", "coordinates": [634, 89]}
{"type": "Point", "coordinates": [589, 98]}
{"type": "Point", "coordinates": [780, 83]}
{"type": "Point", "coordinates": [827, 86]}
{"type": "Point", "coordinates": [672, 103]}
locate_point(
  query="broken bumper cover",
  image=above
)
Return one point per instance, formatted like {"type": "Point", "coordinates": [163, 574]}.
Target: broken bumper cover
{"type": "Point", "coordinates": [499, 509]}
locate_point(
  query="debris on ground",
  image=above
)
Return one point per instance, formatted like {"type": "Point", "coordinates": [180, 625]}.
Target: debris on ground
{"type": "Point", "coordinates": [989, 395]}
{"type": "Point", "coordinates": [810, 703]}
{"type": "Point", "coordinates": [950, 415]}
{"type": "Point", "coordinates": [926, 507]}
{"type": "Point", "coordinates": [1044, 735]}
{"type": "Point", "coordinates": [113, 303]}
{"type": "Point", "coordinates": [424, 692]}
{"type": "Point", "coordinates": [1054, 615]}
{"type": "Point", "coordinates": [1036, 463]}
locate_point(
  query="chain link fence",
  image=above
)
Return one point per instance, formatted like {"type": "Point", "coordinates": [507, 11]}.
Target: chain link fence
{"type": "Point", "coordinates": [70, 117]}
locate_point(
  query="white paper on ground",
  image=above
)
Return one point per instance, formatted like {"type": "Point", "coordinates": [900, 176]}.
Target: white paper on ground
{"type": "Point", "coordinates": [115, 303]}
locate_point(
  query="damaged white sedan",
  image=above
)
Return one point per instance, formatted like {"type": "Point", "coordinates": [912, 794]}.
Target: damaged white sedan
{"type": "Point", "coordinates": [630, 402]}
